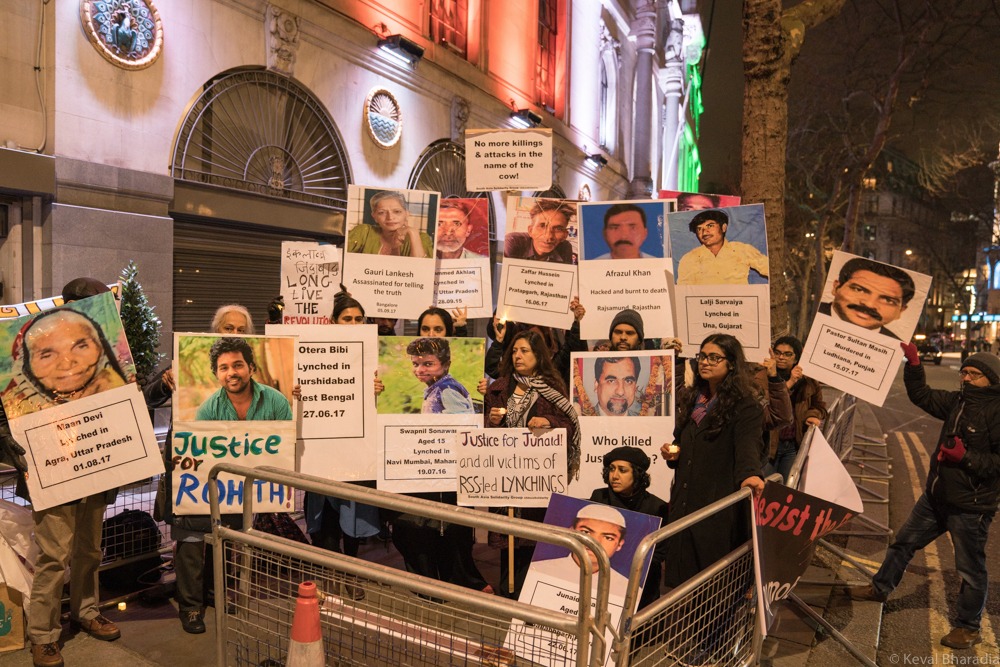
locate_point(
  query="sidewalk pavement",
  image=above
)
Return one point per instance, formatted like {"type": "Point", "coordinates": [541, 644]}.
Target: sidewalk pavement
{"type": "Point", "coordinates": [794, 640]}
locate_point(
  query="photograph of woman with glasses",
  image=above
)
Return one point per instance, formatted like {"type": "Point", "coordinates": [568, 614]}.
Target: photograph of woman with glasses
{"type": "Point", "coordinates": [716, 451]}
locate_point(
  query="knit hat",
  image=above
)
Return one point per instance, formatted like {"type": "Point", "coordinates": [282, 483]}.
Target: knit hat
{"type": "Point", "coordinates": [631, 318]}
{"type": "Point", "coordinates": [632, 455]}
{"type": "Point", "coordinates": [986, 363]}
{"type": "Point", "coordinates": [600, 512]}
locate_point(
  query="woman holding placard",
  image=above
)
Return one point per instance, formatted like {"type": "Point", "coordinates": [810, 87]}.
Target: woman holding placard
{"type": "Point", "coordinates": [529, 393]}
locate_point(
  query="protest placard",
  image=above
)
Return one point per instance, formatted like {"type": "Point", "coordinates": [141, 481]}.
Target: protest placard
{"type": "Point", "coordinates": [462, 278]}
{"type": "Point", "coordinates": [721, 269]}
{"type": "Point", "coordinates": [624, 230]}
{"type": "Point", "coordinates": [38, 305]}
{"type": "Point", "coordinates": [335, 370]}
{"type": "Point", "coordinates": [232, 404]}
{"type": "Point", "coordinates": [508, 159]}
{"type": "Point", "coordinates": [310, 276]}
{"type": "Point", "coordinates": [607, 386]}
{"type": "Point", "coordinates": [70, 395]}
{"type": "Point", "coordinates": [389, 253]}
{"type": "Point", "coordinates": [866, 309]}
{"type": "Point", "coordinates": [510, 467]}
{"type": "Point", "coordinates": [553, 579]}
{"type": "Point", "coordinates": [430, 393]}
{"type": "Point", "coordinates": [697, 201]}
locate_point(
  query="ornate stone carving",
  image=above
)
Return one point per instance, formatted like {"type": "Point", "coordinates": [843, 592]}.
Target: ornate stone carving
{"type": "Point", "coordinates": [383, 118]}
{"type": "Point", "coordinates": [282, 34]}
{"type": "Point", "coordinates": [459, 118]}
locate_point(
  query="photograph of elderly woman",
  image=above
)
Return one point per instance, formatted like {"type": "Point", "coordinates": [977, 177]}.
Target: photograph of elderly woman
{"type": "Point", "coordinates": [63, 354]}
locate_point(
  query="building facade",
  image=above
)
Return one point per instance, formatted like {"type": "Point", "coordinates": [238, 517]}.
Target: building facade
{"type": "Point", "coordinates": [193, 137]}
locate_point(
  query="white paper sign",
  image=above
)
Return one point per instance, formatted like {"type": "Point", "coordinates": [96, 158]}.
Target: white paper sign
{"type": "Point", "coordinates": [417, 452]}
{"type": "Point", "coordinates": [623, 399]}
{"type": "Point", "coordinates": [197, 446]}
{"type": "Point", "coordinates": [743, 311]}
{"type": "Point", "coordinates": [510, 467]}
{"type": "Point", "coordinates": [508, 159]}
{"type": "Point", "coordinates": [310, 276]}
{"type": "Point", "coordinates": [464, 283]}
{"type": "Point", "coordinates": [335, 369]}
{"type": "Point", "coordinates": [89, 445]}
{"type": "Point", "coordinates": [608, 286]}
{"type": "Point", "coordinates": [536, 292]}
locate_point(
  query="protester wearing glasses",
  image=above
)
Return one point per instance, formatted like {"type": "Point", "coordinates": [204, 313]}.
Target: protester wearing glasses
{"type": "Point", "coordinates": [963, 487]}
{"type": "Point", "coordinates": [808, 408]}
{"type": "Point", "coordinates": [716, 452]}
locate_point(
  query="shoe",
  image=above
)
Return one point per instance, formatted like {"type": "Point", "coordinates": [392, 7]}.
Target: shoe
{"type": "Point", "coordinates": [46, 655]}
{"type": "Point", "coordinates": [961, 638]}
{"type": "Point", "coordinates": [866, 594]}
{"type": "Point", "coordinates": [192, 622]}
{"type": "Point", "coordinates": [99, 627]}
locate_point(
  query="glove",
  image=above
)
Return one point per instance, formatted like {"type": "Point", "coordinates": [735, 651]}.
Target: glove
{"type": "Point", "coordinates": [911, 354]}
{"type": "Point", "coordinates": [951, 450]}
{"type": "Point", "coordinates": [12, 453]}
{"type": "Point", "coordinates": [275, 309]}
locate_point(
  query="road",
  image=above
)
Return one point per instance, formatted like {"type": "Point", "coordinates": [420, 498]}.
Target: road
{"type": "Point", "coordinates": [918, 613]}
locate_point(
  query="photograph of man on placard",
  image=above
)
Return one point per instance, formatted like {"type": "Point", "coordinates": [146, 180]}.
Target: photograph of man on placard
{"type": "Point", "coordinates": [463, 229]}
{"type": "Point", "coordinates": [234, 378]}
{"type": "Point", "coordinates": [63, 354]}
{"type": "Point", "coordinates": [623, 230]}
{"type": "Point", "coordinates": [721, 246]}
{"type": "Point", "coordinates": [621, 385]}
{"type": "Point", "coordinates": [546, 237]}
{"type": "Point", "coordinates": [871, 295]}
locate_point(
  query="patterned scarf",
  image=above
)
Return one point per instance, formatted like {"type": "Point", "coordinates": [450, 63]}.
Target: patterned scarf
{"type": "Point", "coordinates": [702, 405]}
{"type": "Point", "coordinates": [563, 405]}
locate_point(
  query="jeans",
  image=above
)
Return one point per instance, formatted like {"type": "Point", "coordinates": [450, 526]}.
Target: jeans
{"type": "Point", "coordinates": [784, 457]}
{"type": "Point", "coordinates": [969, 531]}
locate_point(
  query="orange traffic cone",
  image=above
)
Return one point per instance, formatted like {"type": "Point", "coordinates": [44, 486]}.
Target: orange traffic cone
{"type": "Point", "coordinates": [306, 646]}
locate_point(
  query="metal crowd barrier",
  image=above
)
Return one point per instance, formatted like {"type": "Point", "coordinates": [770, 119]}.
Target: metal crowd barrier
{"type": "Point", "coordinates": [402, 618]}
{"type": "Point", "coordinates": [711, 619]}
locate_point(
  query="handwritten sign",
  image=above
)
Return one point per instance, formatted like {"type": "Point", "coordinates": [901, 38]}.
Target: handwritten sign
{"type": "Point", "coordinates": [510, 467]}
{"type": "Point", "coordinates": [197, 446]}
{"type": "Point", "coordinates": [310, 276]}
{"type": "Point", "coordinates": [87, 446]}
{"type": "Point", "coordinates": [508, 159]}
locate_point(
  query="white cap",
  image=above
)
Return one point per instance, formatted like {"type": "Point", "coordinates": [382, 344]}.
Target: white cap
{"type": "Point", "coordinates": [600, 512]}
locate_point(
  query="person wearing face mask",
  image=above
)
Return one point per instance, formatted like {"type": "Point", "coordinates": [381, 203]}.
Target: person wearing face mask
{"type": "Point", "coordinates": [963, 487]}
{"type": "Point", "coordinates": [626, 473]}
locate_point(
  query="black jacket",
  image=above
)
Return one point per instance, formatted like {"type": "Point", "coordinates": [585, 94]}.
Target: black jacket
{"type": "Point", "coordinates": [973, 414]}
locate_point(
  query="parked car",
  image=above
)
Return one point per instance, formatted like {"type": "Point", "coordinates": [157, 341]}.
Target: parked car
{"type": "Point", "coordinates": [930, 352]}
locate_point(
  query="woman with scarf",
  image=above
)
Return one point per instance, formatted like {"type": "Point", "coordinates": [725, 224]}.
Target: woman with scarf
{"type": "Point", "coordinates": [626, 473]}
{"type": "Point", "coordinates": [529, 393]}
{"type": "Point", "coordinates": [717, 452]}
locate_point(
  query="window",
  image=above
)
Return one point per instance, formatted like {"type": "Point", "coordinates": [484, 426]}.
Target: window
{"type": "Point", "coordinates": [449, 24]}
{"type": "Point", "coordinates": [871, 204]}
{"type": "Point", "coordinates": [545, 63]}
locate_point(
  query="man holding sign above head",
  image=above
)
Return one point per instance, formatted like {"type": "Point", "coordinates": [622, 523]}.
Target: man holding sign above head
{"type": "Point", "coordinates": [870, 294]}
{"type": "Point", "coordinates": [546, 238]}
{"type": "Point", "coordinates": [718, 261]}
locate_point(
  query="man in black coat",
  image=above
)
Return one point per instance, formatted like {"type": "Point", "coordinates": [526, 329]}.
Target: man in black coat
{"type": "Point", "coordinates": [962, 488]}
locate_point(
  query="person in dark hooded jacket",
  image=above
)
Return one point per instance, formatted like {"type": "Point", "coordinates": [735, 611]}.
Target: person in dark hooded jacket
{"type": "Point", "coordinates": [962, 490]}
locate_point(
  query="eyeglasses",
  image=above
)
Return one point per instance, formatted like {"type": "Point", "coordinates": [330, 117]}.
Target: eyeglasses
{"type": "Point", "coordinates": [972, 375]}
{"type": "Point", "coordinates": [784, 355]}
{"type": "Point", "coordinates": [710, 359]}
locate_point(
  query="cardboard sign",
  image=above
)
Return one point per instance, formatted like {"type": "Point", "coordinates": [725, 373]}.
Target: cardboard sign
{"type": "Point", "coordinates": [510, 467]}
{"type": "Point", "coordinates": [508, 159]}
{"type": "Point", "coordinates": [310, 276]}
